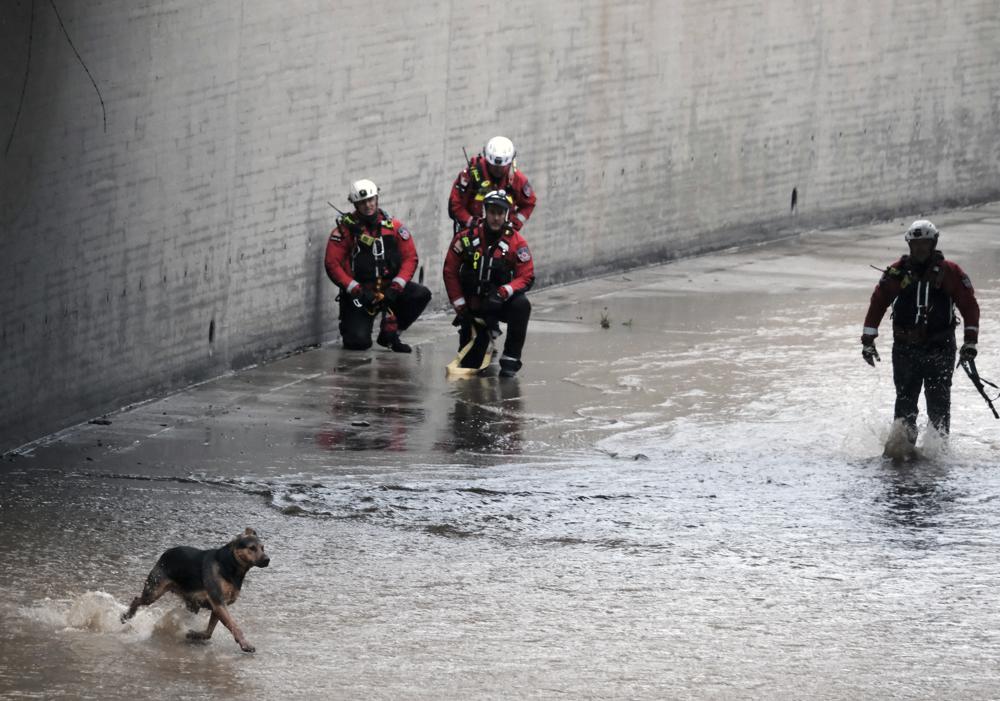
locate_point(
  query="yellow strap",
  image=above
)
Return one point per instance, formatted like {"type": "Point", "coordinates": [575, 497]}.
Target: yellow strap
{"type": "Point", "coordinates": [455, 366]}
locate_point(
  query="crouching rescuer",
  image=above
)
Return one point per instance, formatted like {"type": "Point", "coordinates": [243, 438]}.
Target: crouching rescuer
{"type": "Point", "coordinates": [923, 289]}
{"type": "Point", "coordinates": [371, 257]}
{"type": "Point", "coordinates": [487, 270]}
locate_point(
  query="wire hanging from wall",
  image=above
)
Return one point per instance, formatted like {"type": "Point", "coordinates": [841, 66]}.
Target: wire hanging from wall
{"type": "Point", "coordinates": [27, 72]}
{"type": "Point", "coordinates": [24, 84]}
{"type": "Point", "coordinates": [79, 58]}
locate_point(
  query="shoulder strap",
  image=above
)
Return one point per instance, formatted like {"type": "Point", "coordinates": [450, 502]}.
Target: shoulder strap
{"type": "Point", "coordinates": [386, 221]}
{"type": "Point", "coordinates": [474, 171]}
{"type": "Point", "coordinates": [352, 224]}
{"type": "Point", "coordinates": [935, 270]}
{"type": "Point", "coordinates": [467, 242]}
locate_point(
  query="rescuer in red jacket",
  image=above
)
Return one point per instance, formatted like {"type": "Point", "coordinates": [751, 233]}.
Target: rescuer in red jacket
{"type": "Point", "coordinates": [371, 257]}
{"type": "Point", "coordinates": [494, 169]}
{"type": "Point", "coordinates": [923, 289]}
{"type": "Point", "coordinates": [487, 270]}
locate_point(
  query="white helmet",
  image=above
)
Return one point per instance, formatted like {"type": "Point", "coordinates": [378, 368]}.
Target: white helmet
{"type": "Point", "coordinates": [921, 230]}
{"type": "Point", "coordinates": [499, 151]}
{"type": "Point", "coordinates": [362, 190]}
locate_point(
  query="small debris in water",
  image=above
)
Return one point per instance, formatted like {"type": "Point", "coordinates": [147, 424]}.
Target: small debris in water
{"type": "Point", "coordinates": [360, 423]}
{"type": "Point", "coordinates": [100, 422]}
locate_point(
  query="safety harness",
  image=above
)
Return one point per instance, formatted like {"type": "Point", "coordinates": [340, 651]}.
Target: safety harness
{"type": "Point", "coordinates": [920, 302]}
{"type": "Point", "coordinates": [483, 273]}
{"type": "Point", "coordinates": [482, 182]}
{"type": "Point", "coordinates": [374, 258]}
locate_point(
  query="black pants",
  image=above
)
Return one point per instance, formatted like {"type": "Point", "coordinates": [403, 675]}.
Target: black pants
{"type": "Point", "coordinates": [515, 312]}
{"type": "Point", "coordinates": [915, 365]}
{"type": "Point", "coordinates": [356, 323]}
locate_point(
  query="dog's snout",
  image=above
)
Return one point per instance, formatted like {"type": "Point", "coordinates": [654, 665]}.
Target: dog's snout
{"type": "Point", "coordinates": [264, 561]}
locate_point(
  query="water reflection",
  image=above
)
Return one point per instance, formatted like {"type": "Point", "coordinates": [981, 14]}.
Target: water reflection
{"type": "Point", "coordinates": [486, 416]}
{"type": "Point", "coordinates": [915, 495]}
{"type": "Point", "coordinates": [373, 408]}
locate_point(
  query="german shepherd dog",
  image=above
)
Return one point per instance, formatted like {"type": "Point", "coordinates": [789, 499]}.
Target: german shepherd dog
{"type": "Point", "coordinates": [205, 579]}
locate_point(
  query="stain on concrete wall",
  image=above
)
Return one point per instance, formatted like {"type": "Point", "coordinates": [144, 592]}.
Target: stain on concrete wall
{"type": "Point", "coordinates": [177, 230]}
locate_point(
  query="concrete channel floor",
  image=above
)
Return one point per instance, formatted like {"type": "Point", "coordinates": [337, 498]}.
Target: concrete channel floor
{"type": "Point", "coordinates": [684, 501]}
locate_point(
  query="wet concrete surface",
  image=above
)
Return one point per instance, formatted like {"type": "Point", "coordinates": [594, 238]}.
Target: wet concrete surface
{"type": "Point", "coordinates": [689, 503]}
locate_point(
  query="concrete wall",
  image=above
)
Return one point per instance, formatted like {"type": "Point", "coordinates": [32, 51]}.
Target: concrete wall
{"type": "Point", "coordinates": [184, 235]}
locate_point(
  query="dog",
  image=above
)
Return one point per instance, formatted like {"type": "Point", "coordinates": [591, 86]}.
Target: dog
{"type": "Point", "coordinates": [205, 579]}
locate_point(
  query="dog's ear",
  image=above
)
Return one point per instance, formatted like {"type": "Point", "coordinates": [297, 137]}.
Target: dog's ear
{"type": "Point", "coordinates": [249, 531]}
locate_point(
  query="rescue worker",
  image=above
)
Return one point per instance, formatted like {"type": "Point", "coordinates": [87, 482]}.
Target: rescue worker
{"type": "Point", "coordinates": [371, 257]}
{"type": "Point", "coordinates": [923, 289]}
{"type": "Point", "coordinates": [494, 169]}
{"type": "Point", "coordinates": [487, 270]}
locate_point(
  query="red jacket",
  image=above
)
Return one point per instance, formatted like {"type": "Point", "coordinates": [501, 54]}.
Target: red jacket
{"type": "Point", "coordinates": [512, 263]}
{"type": "Point", "coordinates": [942, 280]}
{"type": "Point", "coordinates": [349, 257]}
{"type": "Point", "coordinates": [466, 200]}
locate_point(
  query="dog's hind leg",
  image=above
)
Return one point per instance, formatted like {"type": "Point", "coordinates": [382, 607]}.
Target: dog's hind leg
{"type": "Point", "coordinates": [156, 586]}
{"type": "Point", "coordinates": [204, 634]}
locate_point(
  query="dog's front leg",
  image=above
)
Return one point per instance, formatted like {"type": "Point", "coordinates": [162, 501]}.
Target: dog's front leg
{"type": "Point", "coordinates": [219, 610]}
{"type": "Point", "coordinates": [207, 633]}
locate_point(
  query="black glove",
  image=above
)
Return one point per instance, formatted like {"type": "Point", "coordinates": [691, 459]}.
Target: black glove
{"type": "Point", "coordinates": [391, 295]}
{"type": "Point", "coordinates": [367, 299]}
{"type": "Point", "coordinates": [868, 351]}
{"type": "Point", "coordinates": [968, 352]}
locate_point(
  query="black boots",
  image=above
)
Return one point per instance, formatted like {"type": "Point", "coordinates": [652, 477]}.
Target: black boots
{"type": "Point", "coordinates": [393, 342]}
{"type": "Point", "coordinates": [509, 366]}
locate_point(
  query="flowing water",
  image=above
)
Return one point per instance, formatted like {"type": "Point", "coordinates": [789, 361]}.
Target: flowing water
{"type": "Point", "coordinates": [690, 503]}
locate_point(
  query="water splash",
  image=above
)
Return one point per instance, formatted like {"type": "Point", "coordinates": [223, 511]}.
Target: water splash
{"type": "Point", "coordinates": [100, 612]}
